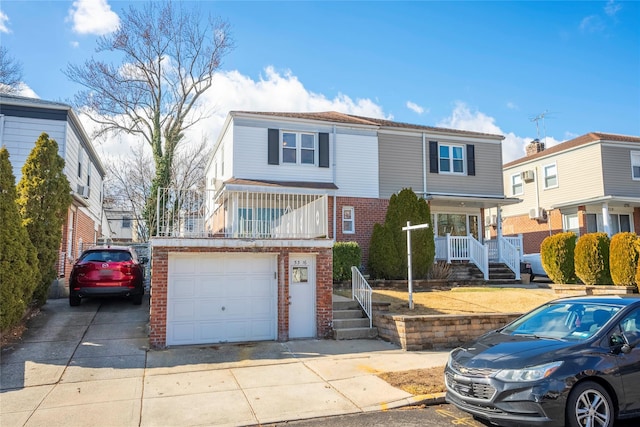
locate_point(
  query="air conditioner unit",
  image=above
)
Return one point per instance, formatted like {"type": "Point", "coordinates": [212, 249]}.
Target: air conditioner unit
{"type": "Point", "coordinates": [86, 192]}
{"type": "Point", "coordinates": [491, 220]}
{"type": "Point", "coordinates": [538, 214]}
{"type": "Point", "coordinates": [527, 176]}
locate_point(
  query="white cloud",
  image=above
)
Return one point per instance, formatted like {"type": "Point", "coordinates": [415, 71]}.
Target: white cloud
{"type": "Point", "coordinates": [592, 24]}
{"type": "Point", "coordinates": [512, 106]}
{"type": "Point", "coordinates": [415, 107]}
{"type": "Point", "coordinates": [75, 44]}
{"type": "Point", "coordinates": [4, 19]}
{"type": "Point", "coordinates": [93, 17]}
{"type": "Point", "coordinates": [612, 8]}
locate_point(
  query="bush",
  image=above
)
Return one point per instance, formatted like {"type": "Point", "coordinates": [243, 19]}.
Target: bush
{"type": "Point", "coordinates": [382, 254]}
{"type": "Point", "coordinates": [623, 259]}
{"type": "Point", "coordinates": [345, 255]}
{"type": "Point", "coordinates": [556, 255]}
{"type": "Point", "coordinates": [591, 259]}
{"type": "Point", "coordinates": [638, 270]}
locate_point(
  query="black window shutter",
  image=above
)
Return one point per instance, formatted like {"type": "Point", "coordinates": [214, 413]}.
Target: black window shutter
{"type": "Point", "coordinates": [471, 160]}
{"type": "Point", "coordinates": [433, 156]}
{"type": "Point", "coordinates": [323, 150]}
{"type": "Point", "coordinates": [274, 147]}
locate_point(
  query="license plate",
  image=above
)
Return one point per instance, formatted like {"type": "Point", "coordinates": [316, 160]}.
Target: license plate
{"type": "Point", "coordinates": [105, 273]}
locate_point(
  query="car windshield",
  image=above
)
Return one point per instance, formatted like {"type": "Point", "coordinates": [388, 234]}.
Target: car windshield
{"type": "Point", "coordinates": [106, 256]}
{"type": "Point", "coordinates": [563, 320]}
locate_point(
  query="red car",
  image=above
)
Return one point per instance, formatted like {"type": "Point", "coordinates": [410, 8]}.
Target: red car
{"type": "Point", "coordinates": [107, 271]}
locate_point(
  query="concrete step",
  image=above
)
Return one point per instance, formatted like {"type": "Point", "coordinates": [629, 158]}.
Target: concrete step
{"type": "Point", "coordinates": [355, 333]}
{"type": "Point", "coordinates": [346, 305]}
{"type": "Point", "coordinates": [347, 314]}
{"type": "Point", "coordinates": [362, 322]}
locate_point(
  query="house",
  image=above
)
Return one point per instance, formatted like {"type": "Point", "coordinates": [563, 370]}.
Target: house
{"type": "Point", "coordinates": [22, 120]}
{"type": "Point", "coordinates": [587, 184]}
{"type": "Point", "coordinates": [123, 225]}
{"type": "Point", "coordinates": [256, 263]}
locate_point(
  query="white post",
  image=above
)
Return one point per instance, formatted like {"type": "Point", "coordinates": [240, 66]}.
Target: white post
{"type": "Point", "coordinates": [606, 223]}
{"type": "Point", "coordinates": [408, 229]}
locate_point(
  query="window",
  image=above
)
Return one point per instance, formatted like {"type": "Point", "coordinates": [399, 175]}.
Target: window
{"type": "Point", "coordinates": [80, 159]}
{"type": "Point", "coordinates": [635, 165]}
{"type": "Point", "coordinates": [348, 226]}
{"type": "Point", "coordinates": [571, 223]}
{"type": "Point", "coordinates": [89, 175]}
{"type": "Point", "coordinates": [516, 185]}
{"type": "Point", "coordinates": [126, 222]}
{"type": "Point", "coordinates": [451, 158]}
{"type": "Point", "coordinates": [550, 176]}
{"type": "Point", "coordinates": [620, 223]}
{"type": "Point", "coordinates": [299, 148]}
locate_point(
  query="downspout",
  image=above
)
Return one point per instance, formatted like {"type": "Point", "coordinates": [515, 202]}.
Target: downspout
{"type": "Point", "coordinates": [335, 198]}
{"type": "Point", "coordinates": [424, 165]}
{"type": "Point", "coordinates": [535, 177]}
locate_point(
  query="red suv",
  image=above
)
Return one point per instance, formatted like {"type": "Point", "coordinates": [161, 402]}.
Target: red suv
{"type": "Point", "coordinates": [107, 271]}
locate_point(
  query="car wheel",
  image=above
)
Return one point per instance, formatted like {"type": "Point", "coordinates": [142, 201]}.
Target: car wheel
{"type": "Point", "coordinates": [137, 299]}
{"type": "Point", "coordinates": [74, 300]}
{"type": "Point", "coordinates": [589, 404]}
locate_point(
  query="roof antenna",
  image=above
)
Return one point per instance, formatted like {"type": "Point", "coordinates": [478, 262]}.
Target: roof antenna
{"type": "Point", "coordinates": [536, 119]}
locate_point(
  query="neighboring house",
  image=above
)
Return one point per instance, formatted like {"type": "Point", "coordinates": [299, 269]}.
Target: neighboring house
{"type": "Point", "coordinates": [22, 120]}
{"type": "Point", "coordinates": [282, 187]}
{"type": "Point", "coordinates": [587, 184]}
{"type": "Point", "coordinates": [123, 225]}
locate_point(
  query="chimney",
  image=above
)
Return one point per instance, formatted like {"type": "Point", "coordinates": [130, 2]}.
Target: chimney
{"type": "Point", "coordinates": [534, 147]}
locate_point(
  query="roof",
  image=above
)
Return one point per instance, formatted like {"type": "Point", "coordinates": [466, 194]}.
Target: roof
{"type": "Point", "coordinates": [337, 117]}
{"type": "Point", "coordinates": [576, 142]}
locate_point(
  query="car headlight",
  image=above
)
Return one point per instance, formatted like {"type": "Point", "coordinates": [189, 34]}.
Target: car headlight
{"type": "Point", "coordinates": [532, 373]}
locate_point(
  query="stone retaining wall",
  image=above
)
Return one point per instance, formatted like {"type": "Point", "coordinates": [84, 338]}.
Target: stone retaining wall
{"type": "Point", "coordinates": [428, 332]}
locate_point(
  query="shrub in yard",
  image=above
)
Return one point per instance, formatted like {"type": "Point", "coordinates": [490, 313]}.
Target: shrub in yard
{"type": "Point", "coordinates": [638, 269]}
{"type": "Point", "coordinates": [623, 259]}
{"type": "Point", "coordinates": [556, 255]}
{"type": "Point", "coordinates": [19, 273]}
{"type": "Point", "coordinates": [591, 259]}
{"type": "Point", "coordinates": [440, 271]}
{"type": "Point", "coordinates": [345, 255]}
{"type": "Point", "coordinates": [382, 254]}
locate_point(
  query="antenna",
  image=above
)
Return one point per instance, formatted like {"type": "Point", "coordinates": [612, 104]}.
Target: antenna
{"type": "Point", "coordinates": [536, 119]}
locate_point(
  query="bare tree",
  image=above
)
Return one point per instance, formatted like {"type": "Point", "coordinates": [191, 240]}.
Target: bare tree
{"type": "Point", "coordinates": [10, 73]}
{"type": "Point", "coordinates": [128, 183]}
{"type": "Point", "coordinates": [169, 56]}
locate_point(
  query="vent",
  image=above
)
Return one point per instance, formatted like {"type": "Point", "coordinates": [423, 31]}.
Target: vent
{"type": "Point", "coordinates": [527, 176]}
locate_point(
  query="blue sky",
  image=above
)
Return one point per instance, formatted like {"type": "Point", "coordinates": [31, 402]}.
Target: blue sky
{"type": "Point", "coordinates": [481, 66]}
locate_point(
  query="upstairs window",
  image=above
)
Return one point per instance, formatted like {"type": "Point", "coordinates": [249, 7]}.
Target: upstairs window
{"type": "Point", "coordinates": [635, 165]}
{"type": "Point", "coordinates": [298, 148]}
{"type": "Point", "coordinates": [348, 226]}
{"type": "Point", "coordinates": [126, 222]}
{"type": "Point", "coordinates": [517, 187]}
{"type": "Point", "coordinates": [451, 158]}
{"type": "Point", "coordinates": [550, 176]}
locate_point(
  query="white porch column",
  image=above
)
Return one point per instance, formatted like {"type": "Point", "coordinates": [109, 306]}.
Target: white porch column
{"type": "Point", "coordinates": [499, 230]}
{"type": "Point", "coordinates": [605, 218]}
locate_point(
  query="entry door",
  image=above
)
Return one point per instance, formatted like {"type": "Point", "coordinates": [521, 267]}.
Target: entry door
{"type": "Point", "coordinates": [302, 291]}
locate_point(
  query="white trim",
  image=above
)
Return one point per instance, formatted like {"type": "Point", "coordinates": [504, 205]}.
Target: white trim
{"type": "Point", "coordinates": [636, 155]}
{"type": "Point", "coordinates": [451, 159]}
{"type": "Point", "coordinates": [352, 220]}
{"type": "Point", "coordinates": [519, 176]}
{"type": "Point", "coordinates": [545, 176]}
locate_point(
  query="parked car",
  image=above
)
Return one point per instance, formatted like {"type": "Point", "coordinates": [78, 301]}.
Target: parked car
{"type": "Point", "coordinates": [107, 271]}
{"type": "Point", "coordinates": [573, 361]}
{"type": "Point", "coordinates": [535, 264]}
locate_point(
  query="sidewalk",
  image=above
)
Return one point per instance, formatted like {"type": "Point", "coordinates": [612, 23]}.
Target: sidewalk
{"type": "Point", "coordinates": [90, 366]}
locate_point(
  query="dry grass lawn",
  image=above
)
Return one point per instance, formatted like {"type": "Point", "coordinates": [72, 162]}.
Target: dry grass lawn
{"type": "Point", "coordinates": [455, 301]}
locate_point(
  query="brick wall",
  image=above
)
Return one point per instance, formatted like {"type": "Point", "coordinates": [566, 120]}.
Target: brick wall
{"type": "Point", "coordinates": [533, 231]}
{"type": "Point", "coordinates": [324, 287]}
{"type": "Point", "coordinates": [367, 213]}
{"type": "Point", "coordinates": [636, 220]}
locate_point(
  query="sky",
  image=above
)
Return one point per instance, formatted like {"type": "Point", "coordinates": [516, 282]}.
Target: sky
{"type": "Point", "coordinates": [492, 67]}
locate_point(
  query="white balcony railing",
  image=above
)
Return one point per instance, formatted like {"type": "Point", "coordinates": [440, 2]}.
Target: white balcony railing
{"type": "Point", "coordinates": [241, 214]}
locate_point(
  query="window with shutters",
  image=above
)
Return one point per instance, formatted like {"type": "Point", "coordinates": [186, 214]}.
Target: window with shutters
{"type": "Point", "coordinates": [299, 148]}
{"type": "Point", "coordinates": [451, 158]}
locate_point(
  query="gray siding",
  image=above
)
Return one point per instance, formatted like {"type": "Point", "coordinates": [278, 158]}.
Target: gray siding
{"type": "Point", "coordinates": [616, 166]}
{"type": "Point", "coordinates": [400, 163]}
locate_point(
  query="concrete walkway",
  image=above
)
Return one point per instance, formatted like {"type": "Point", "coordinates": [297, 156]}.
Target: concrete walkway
{"type": "Point", "coordinates": [90, 366]}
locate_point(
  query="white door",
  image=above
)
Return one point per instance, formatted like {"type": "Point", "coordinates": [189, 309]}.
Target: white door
{"type": "Point", "coordinates": [221, 297]}
{"type": "Point", "coordinates": [302, 292]}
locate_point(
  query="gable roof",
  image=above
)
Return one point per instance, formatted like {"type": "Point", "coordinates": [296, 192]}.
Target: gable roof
{"type": "Point", "coordinates": [576, 142]}
{"type": "Point", "coordinates": [337, 117]}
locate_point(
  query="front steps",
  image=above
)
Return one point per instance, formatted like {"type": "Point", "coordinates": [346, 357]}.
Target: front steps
{"type": "Point", "coordinates": [349, 321]}
{"type": "Point", "coordinates": [498, 273]}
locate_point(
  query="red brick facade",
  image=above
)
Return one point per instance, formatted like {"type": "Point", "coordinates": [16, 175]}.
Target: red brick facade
{"type": "Point", "coordinates": [84, 235]}
{"type": "Point", "coordinates": [324, 287]}
{"type": "Point", "coordinates": [367, 213]}
{"type": "Point", "coordinates": [533, 231]}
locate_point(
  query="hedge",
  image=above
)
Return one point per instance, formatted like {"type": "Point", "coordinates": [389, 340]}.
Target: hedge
{"type": "Point", "coordinates": [556, 255]}
{"type": "Point", "coordinates": [623, 259]}
{"type": "Point", "coordinates": [345, 255]}
{"type": "Point", "coordinates": [592, 259]}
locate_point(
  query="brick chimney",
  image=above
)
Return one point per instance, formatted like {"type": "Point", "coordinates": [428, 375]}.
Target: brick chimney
{"type": "Point", "coordinates": [534, 147]}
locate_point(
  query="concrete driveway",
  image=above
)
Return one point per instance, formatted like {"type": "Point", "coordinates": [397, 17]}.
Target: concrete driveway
{"type": "Point", "coordinates": [91, 366]}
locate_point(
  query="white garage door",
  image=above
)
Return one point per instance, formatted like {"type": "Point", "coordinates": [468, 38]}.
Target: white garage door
{"type": "Point", "coordinates": [221, 297]}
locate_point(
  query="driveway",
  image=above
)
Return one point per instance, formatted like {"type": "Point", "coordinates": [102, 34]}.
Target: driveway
{"type": "Point", "coordinates": [91, 366]}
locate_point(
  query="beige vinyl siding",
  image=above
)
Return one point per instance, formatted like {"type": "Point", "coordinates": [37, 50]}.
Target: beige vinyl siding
{"type": "Point", "coordinates": [400, 163]}
{"type": "Point", "coordinates": [616, 166]}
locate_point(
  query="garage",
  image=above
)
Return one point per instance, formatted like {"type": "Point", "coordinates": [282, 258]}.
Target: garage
{"type": "Point", "coordinates": [221, 297]}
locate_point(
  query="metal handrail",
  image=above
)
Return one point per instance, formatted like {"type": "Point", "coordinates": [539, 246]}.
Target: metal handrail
{"type": "Point", "coordinates": [362, 292]}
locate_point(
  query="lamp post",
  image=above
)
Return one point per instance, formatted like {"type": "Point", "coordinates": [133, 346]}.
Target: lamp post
{"type": "Point", "coordinates": [408, 229]}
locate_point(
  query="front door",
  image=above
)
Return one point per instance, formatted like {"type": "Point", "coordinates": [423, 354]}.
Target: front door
{"type": "Point", "coordinates": [302, 292]}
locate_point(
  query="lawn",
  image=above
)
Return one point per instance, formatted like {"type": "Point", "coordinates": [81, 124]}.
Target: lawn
{"type": "Point", "coordinates": [456, 301]}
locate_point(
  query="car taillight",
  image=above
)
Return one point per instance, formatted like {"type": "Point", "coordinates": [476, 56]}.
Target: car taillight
{"type": "Point", "coordinates": [126, 268]}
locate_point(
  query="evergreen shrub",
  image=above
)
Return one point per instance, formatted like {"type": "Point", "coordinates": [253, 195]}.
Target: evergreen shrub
{"type": "Point", "coordinates": [345, 255]}
{"type": "Point", "coordinates": [623, 259]}
{"type": "Point", "coordinates": [556, 255]}
{"type": "Point", "coordinates": [591, 259]}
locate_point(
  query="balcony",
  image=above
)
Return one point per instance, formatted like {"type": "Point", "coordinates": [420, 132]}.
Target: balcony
{"type": "Point", "coordinates": [241, 214]}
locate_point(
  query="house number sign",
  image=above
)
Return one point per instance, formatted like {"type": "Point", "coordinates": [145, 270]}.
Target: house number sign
{"type": "Point", "coordinates": [300, 271]}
